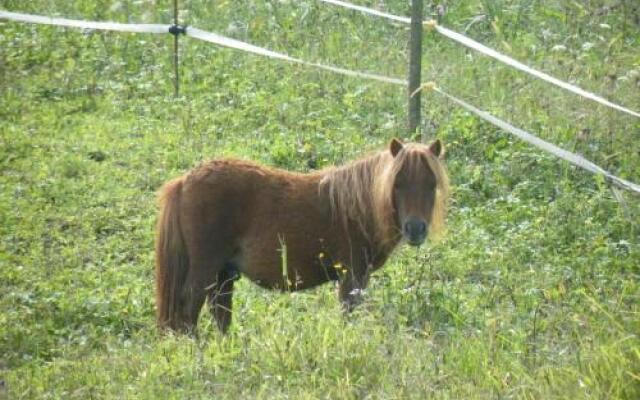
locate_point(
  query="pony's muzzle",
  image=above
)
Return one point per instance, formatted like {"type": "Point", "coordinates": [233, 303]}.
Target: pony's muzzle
{"type": "Point", "coordinates": [415, 230]}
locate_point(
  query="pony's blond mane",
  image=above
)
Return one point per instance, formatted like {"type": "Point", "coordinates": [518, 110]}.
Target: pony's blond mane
{"type": "Point", "coordinates": [362, 192]}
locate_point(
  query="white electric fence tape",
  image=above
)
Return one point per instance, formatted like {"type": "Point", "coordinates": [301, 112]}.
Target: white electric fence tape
{"type": "Point", "coordinates": [544, 145]}
{"type": "Point", "coordinates": [491, 53]}
{"type": "Point", "coordinates": [522, 67]}
{"type": "Point", "coordinates": [74, 23]}
{"type": "Point", "coordinates": [236, 44]}
{"type": "Point", "coordinates": [369, 11]}
{"type": "Point", "coordinates": [239, 45]}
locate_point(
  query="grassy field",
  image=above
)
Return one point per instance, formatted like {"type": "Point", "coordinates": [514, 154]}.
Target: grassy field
{"type": "Point", "coordinates": [533, 293]}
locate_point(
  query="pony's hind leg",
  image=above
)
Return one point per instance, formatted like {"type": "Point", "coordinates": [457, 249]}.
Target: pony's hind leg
{"type": "Point", "coordinates": [210, 232]}
{"type": "Point", "coordinates": [204, 266]}
{"type": "Point", "coordinates": [221, 297]}
{"type": "Point", "coordinates": [194, 295]}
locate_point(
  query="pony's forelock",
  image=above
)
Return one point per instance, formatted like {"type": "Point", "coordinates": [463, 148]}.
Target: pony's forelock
{"type": "Point", "coordinates": [352, 191]}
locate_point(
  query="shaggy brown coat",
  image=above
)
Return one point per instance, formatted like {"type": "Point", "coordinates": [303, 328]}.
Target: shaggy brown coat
{"type": "Point", "coordinates": [289, 231]}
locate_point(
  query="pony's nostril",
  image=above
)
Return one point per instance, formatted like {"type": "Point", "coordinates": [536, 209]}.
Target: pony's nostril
{"type": "Point", "coordinates": [415, 228]}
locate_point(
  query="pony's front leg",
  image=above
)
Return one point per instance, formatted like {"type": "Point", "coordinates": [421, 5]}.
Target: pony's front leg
{"type": "Point", "coordinates": [351, 286]}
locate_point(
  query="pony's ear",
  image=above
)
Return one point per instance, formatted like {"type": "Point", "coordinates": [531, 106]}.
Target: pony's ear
{"type": "Point", "coordinates": [437, 148]}
{"type": "Point", "coordinates": [395, 146]}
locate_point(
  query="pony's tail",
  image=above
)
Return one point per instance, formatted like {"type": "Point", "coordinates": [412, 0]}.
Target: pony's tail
{"type": "Point", "coordinates": [172, 261]}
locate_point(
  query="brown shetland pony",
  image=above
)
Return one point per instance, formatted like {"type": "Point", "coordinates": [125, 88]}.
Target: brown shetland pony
{"type": "Point", "coordinates": [290, 231]}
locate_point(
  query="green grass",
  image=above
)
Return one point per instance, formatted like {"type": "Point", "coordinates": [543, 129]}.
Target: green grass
{"type": "Point", "coordinates": [533, 293]}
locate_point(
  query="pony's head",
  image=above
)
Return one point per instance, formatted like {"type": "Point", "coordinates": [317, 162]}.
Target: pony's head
{"type": "Point", "coordinates": [414, 190]}
{"type": "Point", "coordinates": [399, 192]}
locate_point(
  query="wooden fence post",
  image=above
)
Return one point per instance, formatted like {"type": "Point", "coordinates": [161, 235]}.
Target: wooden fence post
{"type": "Point", "coordinates": [415, 65]}
{"type": "Point", "coordinates": [176, 83]}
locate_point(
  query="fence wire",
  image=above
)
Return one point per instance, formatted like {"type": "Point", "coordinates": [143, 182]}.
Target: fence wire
{"type": "Point", "coordinates": [468, 42]}
{"type": "Point", "coordinates": [74, 23]}
{"type": "Point", "coordinates": [246, 47]}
